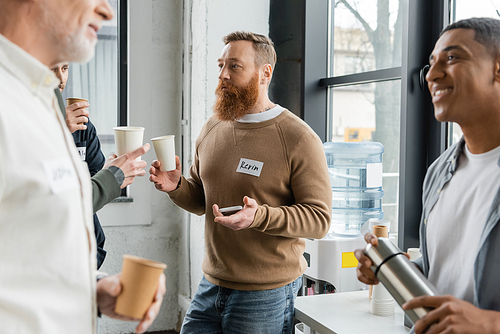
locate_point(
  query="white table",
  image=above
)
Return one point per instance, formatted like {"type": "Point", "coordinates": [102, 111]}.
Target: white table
{"type": "Point", "coordinates": [346, 313]}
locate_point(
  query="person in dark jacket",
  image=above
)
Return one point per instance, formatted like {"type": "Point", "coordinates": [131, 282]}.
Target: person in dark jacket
{"type": "Point", "coordinates": [88, 146]}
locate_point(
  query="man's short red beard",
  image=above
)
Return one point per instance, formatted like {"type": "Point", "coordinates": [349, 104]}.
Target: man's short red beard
{"type": "Point", "coordinates": [235, 102]}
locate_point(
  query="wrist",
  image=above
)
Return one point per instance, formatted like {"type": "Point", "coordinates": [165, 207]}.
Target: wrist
{"type": "Point", "coordinates": [255, 221]}
{"type": "Point", "coordinates": [175, 188]}
{"type": "Point", "coordinates": [118, 173]}
{"type": "Point", "coordinates": [99, 275]}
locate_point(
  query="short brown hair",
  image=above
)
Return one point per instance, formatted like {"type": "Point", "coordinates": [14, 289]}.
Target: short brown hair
{"type": "Point", "coordinates": [263, 46]}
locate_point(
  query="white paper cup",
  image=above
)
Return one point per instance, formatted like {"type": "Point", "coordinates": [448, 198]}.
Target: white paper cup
{"type": "Point", "coordinates": [165, 151]}
{"type": "Point", "coordinates": [128, 139]}
{"type": "Point", "coordinates": [382, 303]}
{"type": "Point", "coordinates": [414, 253]}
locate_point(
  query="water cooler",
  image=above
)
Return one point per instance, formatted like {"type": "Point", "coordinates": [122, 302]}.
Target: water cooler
{"type": "Point", "coordinates": [356, 176]}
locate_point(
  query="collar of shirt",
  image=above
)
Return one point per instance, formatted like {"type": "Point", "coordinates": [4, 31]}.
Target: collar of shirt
{"type": "Point", "coordinates": [37, 77]}
{"type": "Point", "coordinates": [459, 149]}
{"type": "Point", "coordinates": [263, 116]}
{"type": "Point", "coordinates": [483, 157]}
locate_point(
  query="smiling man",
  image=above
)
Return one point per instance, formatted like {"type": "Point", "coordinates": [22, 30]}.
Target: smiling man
{"type": "Point", "coordinates": [47, 245]}
{"type": "Point", "coordinates": [460, 230]}
{"type": "Point", "coordinates": [254, 153]}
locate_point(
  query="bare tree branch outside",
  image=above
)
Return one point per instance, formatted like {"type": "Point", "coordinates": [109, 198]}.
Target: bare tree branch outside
{"type": "Point", "coordinates": [367, 37]}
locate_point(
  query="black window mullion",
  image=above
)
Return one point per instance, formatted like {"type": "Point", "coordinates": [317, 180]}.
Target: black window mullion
{"type": "Point", "coordinates": [122, 68]}
{"type": "Point", "coordinates": [422, 137]}
{"type": "Point", "coordinates": [393, 73]}
{"type": "Point", "coordinates": [122, 62]}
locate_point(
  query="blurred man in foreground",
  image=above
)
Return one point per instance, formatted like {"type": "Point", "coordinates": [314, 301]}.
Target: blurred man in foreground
{"type": "Point", "coordinates": [47, 267]}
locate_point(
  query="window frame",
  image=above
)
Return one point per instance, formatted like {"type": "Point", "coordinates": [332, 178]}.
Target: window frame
{"type": "Point", "coordinates": [123, 62]}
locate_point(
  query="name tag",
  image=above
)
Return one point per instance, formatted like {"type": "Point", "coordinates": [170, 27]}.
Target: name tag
{"type": "Point", "coordinates": [61, 175]}
{"type": "Point", "coordinates": [82, 151]}
{"type": "Point", "coordinates": [250, 167]}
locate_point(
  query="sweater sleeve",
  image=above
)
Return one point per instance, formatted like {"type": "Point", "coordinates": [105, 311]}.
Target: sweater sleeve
{"type": "Point", "coordinates": [105, 188]}
{"type": "Point", "coordinates": [309, 216]}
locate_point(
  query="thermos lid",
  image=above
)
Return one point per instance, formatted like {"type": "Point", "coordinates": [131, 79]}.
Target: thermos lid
{"type": "Point", "coordinates": [380, 231]}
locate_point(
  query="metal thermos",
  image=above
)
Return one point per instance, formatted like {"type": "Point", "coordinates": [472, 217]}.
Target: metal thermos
{"type": "Point", "coordinates": [400, 277]}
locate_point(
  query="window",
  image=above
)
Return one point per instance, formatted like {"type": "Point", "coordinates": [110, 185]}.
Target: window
{"type": "Point", "coordinates": [99, 80]}
{"type": "Point", "coordinates": [364, 83]}
{"type": "Point", "coordinates": [356, 63]}
{"type": "Point", "coordinates": [377, 96]}
{"type": "Point", "coordinates": [463, 9]}
{"type": "Point", "coordinates": [365, 38]}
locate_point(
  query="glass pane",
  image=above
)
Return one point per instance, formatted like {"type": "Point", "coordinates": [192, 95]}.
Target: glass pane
{"type": "Point", "coordinates": [454, 133]}
{"type": "Point", "coordinates": [97, 81]}
{"type": "Point", "coordinates": [366, 36]}
{"type": "Point", "coordinates": [464, 9]}
{"type": "Point", "coordinates": [371, 112]}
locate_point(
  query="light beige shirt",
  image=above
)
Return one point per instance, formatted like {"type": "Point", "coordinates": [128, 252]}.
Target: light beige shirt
{"type": "Point", "coordinates": [47, 248]}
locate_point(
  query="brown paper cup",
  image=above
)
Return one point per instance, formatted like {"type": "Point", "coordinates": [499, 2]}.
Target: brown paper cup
{"type": "Point", "coordinates": [139, 283]}
{"type": "Point", "coordinates": [71, 100]}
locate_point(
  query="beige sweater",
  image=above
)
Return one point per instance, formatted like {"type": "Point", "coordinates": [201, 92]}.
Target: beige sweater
{"type": "Point", "coordinates": [281, 164]}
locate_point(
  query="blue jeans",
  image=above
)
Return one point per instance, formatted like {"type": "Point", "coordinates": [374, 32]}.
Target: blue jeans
{"type": "Point", "coordinates": [215, 309]}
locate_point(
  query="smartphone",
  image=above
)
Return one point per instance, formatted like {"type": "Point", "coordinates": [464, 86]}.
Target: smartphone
{"type": "Point", "coordinates": [231, 210]}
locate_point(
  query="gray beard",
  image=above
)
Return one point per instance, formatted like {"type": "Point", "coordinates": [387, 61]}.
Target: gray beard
{"type": "Point", "coordinates": [78, 49]}
{"type": "Point", "coordinates": [71, 48]}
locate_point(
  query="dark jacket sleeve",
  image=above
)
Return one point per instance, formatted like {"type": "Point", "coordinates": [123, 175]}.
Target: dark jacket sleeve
{"type": "Point", "coordinates": [94, 157]}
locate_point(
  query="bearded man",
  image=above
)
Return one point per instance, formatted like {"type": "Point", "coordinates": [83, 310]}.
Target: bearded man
{"type": "Point", "coordinates": [258, 154]}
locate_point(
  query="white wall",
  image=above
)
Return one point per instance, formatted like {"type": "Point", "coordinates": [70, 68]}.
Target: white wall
{"type": "Point", "coordinates": [155, 228]}
{"type": "Point", "coordinates": [155, 74]}
{"type": "Point", "coordinates": [210, 21]}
